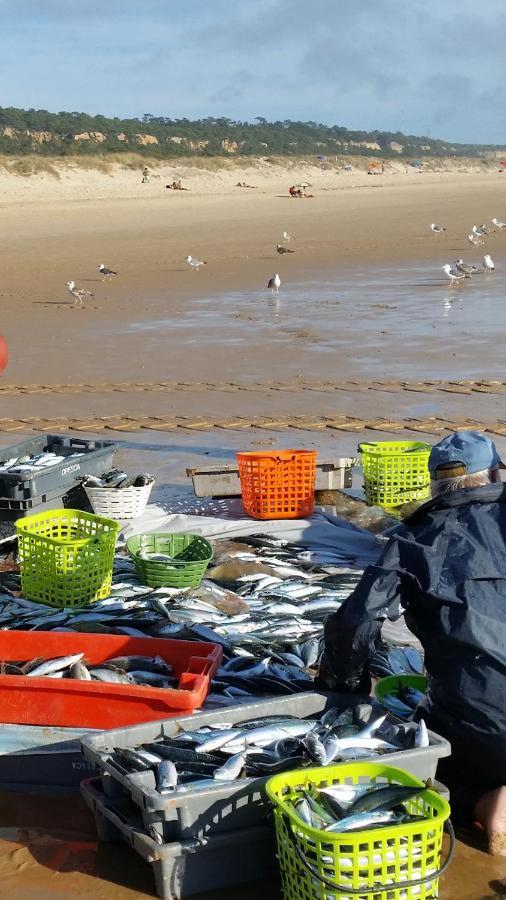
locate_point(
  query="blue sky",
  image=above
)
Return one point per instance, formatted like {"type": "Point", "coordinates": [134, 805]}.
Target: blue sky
{"type": "Point", "coordinates": [434, 67]}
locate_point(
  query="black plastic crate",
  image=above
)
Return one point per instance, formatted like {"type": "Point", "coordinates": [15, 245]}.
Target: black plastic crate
{"type": "Point", "coordinates": [97, 459]}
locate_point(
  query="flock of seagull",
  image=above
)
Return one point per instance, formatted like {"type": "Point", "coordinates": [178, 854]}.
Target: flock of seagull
{"type": "Point", "coordinates": [456, 272]}
{"type": "Point", "coordinates": [79, 294]}
{"type": "Point", "coordinates": [460, 270]}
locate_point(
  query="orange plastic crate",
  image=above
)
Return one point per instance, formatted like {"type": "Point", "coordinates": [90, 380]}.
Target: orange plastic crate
{"type": "Point", "coordinates": [26, 700]}
{"type": "Point", "coordinates": [278, 485]}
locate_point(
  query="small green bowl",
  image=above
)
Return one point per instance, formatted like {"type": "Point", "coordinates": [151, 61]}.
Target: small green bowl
{"type": "Point", "coordinates": [394, 683]}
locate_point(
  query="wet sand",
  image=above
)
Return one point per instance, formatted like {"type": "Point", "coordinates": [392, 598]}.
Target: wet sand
{"type": "Point", "coordinates": [158, 320]}
{"type": "Point", "coordinates": [65, 861]}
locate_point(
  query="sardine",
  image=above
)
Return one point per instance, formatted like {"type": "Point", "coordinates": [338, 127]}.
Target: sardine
{"type": "Point", "coordinates": [54, 665]}
{"type": "Point", "coordinates": [233, 767]}
{"type": "Point", "coordinates": [166, 777]}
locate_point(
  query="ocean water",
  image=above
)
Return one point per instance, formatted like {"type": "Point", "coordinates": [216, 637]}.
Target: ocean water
{"type": "Point", "coordinates": [391, 321]}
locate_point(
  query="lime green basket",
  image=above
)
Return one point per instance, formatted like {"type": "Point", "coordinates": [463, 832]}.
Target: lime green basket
{"type": "Point", "coordinates": [190, 556]}
{"type": "Point", "coordinates": [392, 684]}
{"type": "Point", "coordinates": [395, 472]}
{"type": "Point", "coordinates": [66, 556]}
{"type": "Point", "coordinates": [395, 862]}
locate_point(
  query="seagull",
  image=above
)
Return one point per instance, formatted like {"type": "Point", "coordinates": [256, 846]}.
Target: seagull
{"type": "Point", "coordinates": [488, 263]}
{"type": "Point", "coordinates": [77, 294]}
{"type": "Point", "coordinates": [274, 283]}
{"type": "Point", "coordinates": [194, 263]}
{"type": "Point", "coordinates": [437, 228]}
{"type": "Point", "coordinates": [281, 249]}
{"type": "Point", "coordinates": [475, 240]}
{"type": "Point", "coordinates": [454, 274]}
{"type": "Point", "coordinates": [105, 272]}
{"type": "Point", "coordinates": [498, 223]}
{"type": "Point", "coordinates": [480, 232]}
{"type": "Point", "coordinates": [466, 268]}
{"type": "Point", "coordinates": [287, 237]}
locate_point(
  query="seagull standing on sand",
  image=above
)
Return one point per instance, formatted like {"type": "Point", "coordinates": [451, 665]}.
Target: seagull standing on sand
{"type": "Point", "coordinates": [453, 274]}
{"type": "Point", "coordinates": [287, 237]}
{"type": "Point", "coordinates": [77, 294]}
{"type": "Point", "coordinates": [281, 249]}
{"type": "Point", "coordinates": [274, 283]}
{"type": "Point", "coordinates": [437, 229]}
{"type": "Point", "coordinates": [105, 272]}
{"type": "Point", "coordinates": [488, 263]}
{"type": "Point", "coordinates": [194, 263]}
{"type": "Point", "coordinates": [480, 231]}
{"type": "Point", "coordinates": [498, 223]}
{"type": "Point", "coordinates": [475, 240]}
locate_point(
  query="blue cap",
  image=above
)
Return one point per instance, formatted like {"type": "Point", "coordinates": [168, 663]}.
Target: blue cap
{"type": "Point", "coordinates": [471, 449]}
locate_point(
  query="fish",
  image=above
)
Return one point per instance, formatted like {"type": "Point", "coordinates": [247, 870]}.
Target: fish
{"type": "Point", "coordinates": [315, 748]}
{"type": "Point", "coordinates": [422, 735]}
{"type": "Point", "coordinates": [80, 671]}
{"type": "Point", "coordinates": [54, 665]}
{"type": "Point", "coordinates": [383, 798]}
{"type": "Point", "coordinates": [364, 820]}
{"type": "Point", "coordinates": [110, 676]}
{"type": "Point", "coordinates": [166, 777]}
{"type": "Point", "coordinates": [232, 768]}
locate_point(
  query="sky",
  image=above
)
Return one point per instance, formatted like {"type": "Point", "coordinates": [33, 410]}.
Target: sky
{"type": "Point", "coordinates": [435, 67]}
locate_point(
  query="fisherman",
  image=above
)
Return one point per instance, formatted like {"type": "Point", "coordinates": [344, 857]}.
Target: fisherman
{"type": "Point", "coordinates": [445, 568]}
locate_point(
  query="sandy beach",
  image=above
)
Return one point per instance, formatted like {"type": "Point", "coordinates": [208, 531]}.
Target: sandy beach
{"type": "Point", "coordinates": [137, 327]}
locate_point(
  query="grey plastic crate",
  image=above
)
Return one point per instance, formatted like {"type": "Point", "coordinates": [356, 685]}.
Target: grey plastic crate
{"type": "Point", "coordinates": [62, 498]}
{"type": "Point", "coordinates": [185, 868]}
{"type": "Point", "coordinates": [42, 759]}
{"type": "Point", "coordinates": [97, 459]}
{"type": "Point", "coordinates": [228, 805]}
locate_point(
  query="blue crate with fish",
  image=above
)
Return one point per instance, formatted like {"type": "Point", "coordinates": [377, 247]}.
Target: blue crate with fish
{"type": "Point", "coordinates": [206, 774]}
{"type": "Point", "coordinates": [50, 462]}
{"type": "Point", "coordinates": [185, 868]}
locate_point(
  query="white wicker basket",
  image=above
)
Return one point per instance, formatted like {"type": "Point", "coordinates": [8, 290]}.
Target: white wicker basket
{"type": "Point", "coordinates": [115, 503]}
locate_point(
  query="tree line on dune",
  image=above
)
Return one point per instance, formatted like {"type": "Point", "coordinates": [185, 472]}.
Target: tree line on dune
{"type": "Point", "coordinates": [73, 133]}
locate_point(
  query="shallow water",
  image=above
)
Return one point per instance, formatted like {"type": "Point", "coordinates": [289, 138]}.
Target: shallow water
{"type": "Point", "coordinates": [383, 320]}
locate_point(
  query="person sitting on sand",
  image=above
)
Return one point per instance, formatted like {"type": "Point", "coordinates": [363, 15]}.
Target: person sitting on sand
{"type": "Point", "coordinates": [294, 192]}
{"type": "Point", "coordinates": [444, 567]}
{"type": "Point", "coordinates": [145, 175]}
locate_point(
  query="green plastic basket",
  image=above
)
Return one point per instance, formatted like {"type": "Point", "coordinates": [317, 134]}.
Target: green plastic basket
{"type": "Point", "coordinates": [190, 556]}
{"type": "Point", "coordinates": [395, 862]}
{"type": "Point", "coordinates": [395, 472]}
{"type": "Point", "coordinates": [392, 684]}
{"type": "Point", "coordinates": [66, 556]}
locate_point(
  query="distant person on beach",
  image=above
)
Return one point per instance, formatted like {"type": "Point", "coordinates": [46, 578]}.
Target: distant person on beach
{"type": "Point", "coordinates": [145, 175]}
{"type": "Point", "coordinates": [176, 186]}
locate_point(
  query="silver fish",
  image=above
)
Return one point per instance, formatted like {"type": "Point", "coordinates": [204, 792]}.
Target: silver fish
{"type": "Point", "coordinates": [166, 777]}
{"type": "Point", "coordinates": [55, 665]}
{"type": "Point", "coordinates": [233, 767]}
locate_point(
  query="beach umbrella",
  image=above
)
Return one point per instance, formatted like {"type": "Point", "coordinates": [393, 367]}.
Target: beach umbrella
{"type": "Point", "coordinates": [303, 184]}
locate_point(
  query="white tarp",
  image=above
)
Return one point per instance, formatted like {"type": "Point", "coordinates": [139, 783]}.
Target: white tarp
{"type": "Point", "coordinates": [349, 544]}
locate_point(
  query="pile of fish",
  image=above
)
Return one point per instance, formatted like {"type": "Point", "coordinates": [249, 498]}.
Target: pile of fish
{"type": "Point", "coordinates": [195, 760]}
{"type": "Point", "coordinates": [340, 808]}
{"type": "Point", "coordinates": [117, 480]}
{"type": "Point", "coordinates": [396, 661]}
{"type": "Point", "coordinates": [19, 465]}
{"type": "Point", "coordinates": [139, 670]}
{"type": "Point", "coordinates": [264, 601]}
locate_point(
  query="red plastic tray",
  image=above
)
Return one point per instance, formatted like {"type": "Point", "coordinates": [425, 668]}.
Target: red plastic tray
{"type": "Point", "coordinates": [92, 704]}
